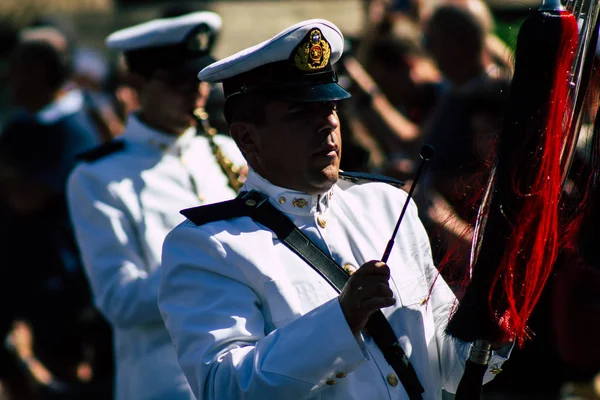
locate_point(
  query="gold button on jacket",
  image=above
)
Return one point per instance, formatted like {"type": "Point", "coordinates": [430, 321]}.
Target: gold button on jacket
{"type": "Point", "coordinates": [322, 222]}
{"type": "Point", "coordinates": [349, 268]}
{"type": "Point", "coordinates": [392, 379]}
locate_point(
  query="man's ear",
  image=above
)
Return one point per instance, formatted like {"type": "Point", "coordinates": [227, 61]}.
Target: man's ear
{"type": "Point", "coordinates": [204, 90]}
{"type": "Point", "coordinates": [247, 138]}
{"type": "Point", "coordinates": [134, 80]}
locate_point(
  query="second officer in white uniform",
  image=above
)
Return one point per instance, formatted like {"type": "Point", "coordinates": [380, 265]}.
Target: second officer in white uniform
{"type": "Point", "coordinates": [126, 196]}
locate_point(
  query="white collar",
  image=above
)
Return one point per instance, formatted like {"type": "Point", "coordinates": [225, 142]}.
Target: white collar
{"type": "Point", "coordinates": [288, 200]}
{"type": "Point", "coordinates": [68, 104]}
{"type": "Point", "coordinates": [137, 131]}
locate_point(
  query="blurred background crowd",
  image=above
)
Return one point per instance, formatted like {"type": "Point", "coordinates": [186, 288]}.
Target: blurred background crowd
{"type": "Point", "coordinates": [420, 71]}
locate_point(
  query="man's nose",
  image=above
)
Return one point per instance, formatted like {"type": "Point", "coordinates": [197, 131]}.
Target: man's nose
{"type": "Point", "coordinates": [329, 120]}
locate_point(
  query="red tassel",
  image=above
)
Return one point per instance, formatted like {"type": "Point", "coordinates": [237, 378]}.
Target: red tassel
{"type": "Point", "coordinates": [533, 245]}
{"type": "Point", "coordinates": [517, 237]}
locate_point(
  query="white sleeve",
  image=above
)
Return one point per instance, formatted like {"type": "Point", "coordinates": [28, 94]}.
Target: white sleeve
{"type": "Point", "coordinates": [124, 290]}
{"type": "Point", "coordinates": [215, 321]}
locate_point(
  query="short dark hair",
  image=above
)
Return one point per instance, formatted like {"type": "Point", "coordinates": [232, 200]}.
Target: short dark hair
{"type": "Point", "coordinates": [37, 52]}
{"type": "Point", "coordinates": [248, 107]}
{"type": "Point", "coordinates": [143, 68]}
{"type": "Point", "coordinates": [459, 25]}
{"type": "Point", "coordinates": [392, 51]}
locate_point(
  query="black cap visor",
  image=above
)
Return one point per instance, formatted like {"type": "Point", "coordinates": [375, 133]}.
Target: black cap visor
{"type": "Point", "coordinates": [311, 94]}
{"type": "Point", "coordinates": [282, 80]}
{"type": "Point", "coordinates": [190, 66]}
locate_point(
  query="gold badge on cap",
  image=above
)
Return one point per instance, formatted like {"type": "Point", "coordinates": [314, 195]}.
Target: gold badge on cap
{"type": "Point", "coordinates": [313, 53]}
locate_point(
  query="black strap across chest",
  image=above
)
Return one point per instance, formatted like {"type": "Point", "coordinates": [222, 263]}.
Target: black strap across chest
{"type": "Point", "coordinates": [255, 205]}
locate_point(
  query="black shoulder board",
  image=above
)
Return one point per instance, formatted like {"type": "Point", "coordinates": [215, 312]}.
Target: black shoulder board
{"type": "Point", "coordinates": [362, 177]}
{"type": "Point", "coordinates": [216, 212]}
{"type": "Point", "coordinates": [101, 151]}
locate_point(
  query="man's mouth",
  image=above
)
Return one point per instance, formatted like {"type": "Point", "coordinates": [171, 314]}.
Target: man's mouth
{"type": "Point", "coordinates": [328, 150]}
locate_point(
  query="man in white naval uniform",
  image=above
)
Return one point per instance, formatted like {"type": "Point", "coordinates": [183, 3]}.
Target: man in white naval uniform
{"type": "Point", "coordinates": [126, 196]}
{"type": "Point", "coordinates": [249, 318]}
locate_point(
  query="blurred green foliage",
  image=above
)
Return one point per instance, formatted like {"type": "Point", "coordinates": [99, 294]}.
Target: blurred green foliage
{"type": "Point", "coordinates": [507, 30]}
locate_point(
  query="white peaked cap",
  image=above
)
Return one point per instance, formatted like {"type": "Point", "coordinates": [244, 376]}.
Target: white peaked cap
{"type": "Point", "coordinates": [278, 48]}
{"type": "Point", "coordinates": [296, 65]}
{"type": "Point", "coordinates": [162, 32]}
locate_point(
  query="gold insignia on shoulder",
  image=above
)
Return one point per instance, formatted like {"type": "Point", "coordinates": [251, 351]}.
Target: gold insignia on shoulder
{"type": "Point", "coordinates": [313, 53]}
{"type": "Point", "coordinates": [300, 202]}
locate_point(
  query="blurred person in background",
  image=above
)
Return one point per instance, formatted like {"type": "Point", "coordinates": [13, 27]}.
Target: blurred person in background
{"type": "Point", "coordinates": [404, 75]}
{"type": "Point", "coordinates": [126, 195]}
{"type": "Point", "coordinates": [125, 96]}
{"type": "Point", "coordinates": [404, 72]}
{"type": "Point", "coordinates": [51, 319]}
{"type": "Point", "coordinates": [11, 380]}
{"type": "Point", "coordinates": [397, 81]}
{"type": "Point", "coordinates": [394, 83]}
{"type": "Point", "coordinates": [499, 52]}
{"type": "Point", "coordinates": [9, 37]}
{"type": "Point", "coordinates": [90, 75]}
{"type": "Point", "coordinates": [463, 129]}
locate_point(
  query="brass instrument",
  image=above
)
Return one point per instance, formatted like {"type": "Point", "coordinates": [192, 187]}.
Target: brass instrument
{"type": "Point", "coordinates": [236, 176]}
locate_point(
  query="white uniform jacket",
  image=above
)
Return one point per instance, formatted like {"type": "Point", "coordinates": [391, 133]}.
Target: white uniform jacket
{"type": "Point", "coordinates": [251, 320]}
{"type": "Point", "coordinates": [122, 207]}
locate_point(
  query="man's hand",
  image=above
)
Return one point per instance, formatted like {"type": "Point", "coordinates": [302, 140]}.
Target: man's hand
{"type": "Point", "coordinates": [366, 291]}
{"type": "Point", "coordinates": [21, 339]}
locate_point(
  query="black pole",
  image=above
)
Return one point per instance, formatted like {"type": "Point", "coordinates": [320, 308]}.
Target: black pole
{"type": "Point", "coordinates": [471, 384]}
{"type": "Point", "coordinates": [426, 154]}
